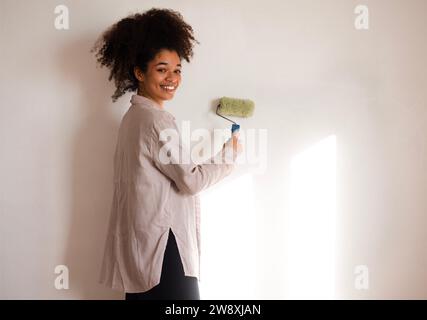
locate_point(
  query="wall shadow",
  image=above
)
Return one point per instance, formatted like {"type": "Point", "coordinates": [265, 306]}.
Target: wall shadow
{"type": "Point", "coordinates": [91, 169]}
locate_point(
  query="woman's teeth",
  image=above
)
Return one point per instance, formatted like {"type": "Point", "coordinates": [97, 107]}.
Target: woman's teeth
{"type": "Point", "coordinates": [168, 88]}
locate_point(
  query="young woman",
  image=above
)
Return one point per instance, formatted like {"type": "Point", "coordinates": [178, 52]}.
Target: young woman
{"type": "Point", "coordinates": [152, 249]}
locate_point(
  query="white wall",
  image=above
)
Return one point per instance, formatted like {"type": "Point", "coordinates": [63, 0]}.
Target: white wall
{"type": "Point", "coordinates": [311, 74]}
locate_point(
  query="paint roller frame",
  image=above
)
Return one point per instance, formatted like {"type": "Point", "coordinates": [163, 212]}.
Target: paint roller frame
{"type": "Point", "coordinates": [235, 107]}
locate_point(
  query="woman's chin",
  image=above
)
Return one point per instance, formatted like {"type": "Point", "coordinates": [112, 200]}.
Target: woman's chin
{"type": "Point", "coordinates": [168, 95]}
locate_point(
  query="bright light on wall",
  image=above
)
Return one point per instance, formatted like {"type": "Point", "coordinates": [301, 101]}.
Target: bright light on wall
{"type": "Point", "coordinates": [310, 224]}
{"type": "Point", "coordinates": [228, 227]}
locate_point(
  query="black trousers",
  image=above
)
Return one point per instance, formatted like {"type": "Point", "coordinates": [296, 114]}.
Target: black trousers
{"type": "Point", "coordinates": [174, 285]}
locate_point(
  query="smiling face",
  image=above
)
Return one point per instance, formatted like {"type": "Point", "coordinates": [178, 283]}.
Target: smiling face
{"type": "Point", "coordinates": [162, 78]}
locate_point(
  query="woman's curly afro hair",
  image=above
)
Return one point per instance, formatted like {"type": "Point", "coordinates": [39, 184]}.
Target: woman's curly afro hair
{"type": "Point", "coordinates": [135, 40]}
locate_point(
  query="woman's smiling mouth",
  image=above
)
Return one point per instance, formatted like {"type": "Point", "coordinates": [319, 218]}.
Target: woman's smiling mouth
{"type": "Point", "coordinates": [168, 88]}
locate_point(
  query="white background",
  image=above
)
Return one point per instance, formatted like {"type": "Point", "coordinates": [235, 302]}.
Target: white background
{"type": "Point", "coordinates": [313, 77]}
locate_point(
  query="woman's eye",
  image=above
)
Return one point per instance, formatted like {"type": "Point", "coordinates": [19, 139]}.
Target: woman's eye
{"type": "Point", "coordinates": [162, 70]}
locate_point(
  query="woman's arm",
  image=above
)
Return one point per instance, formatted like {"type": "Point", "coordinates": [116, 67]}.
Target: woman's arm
{"type": "Point", "coordinates": [174, 161]}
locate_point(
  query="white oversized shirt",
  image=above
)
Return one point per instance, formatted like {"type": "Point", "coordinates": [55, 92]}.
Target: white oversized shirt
{"type": "Point", "coordinates": [150, 197]}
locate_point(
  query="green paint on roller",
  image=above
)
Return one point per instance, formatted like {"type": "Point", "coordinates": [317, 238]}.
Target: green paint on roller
{"type": "Point", "coordinates": [243, 108]}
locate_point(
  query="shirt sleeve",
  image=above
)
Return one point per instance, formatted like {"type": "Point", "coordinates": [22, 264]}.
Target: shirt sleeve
{"type": "Point", "coordinates": [173, 159]}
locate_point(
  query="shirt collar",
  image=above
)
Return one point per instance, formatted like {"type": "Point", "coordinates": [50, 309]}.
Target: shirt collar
{"type": "Point", "coordinates": [137, 99]}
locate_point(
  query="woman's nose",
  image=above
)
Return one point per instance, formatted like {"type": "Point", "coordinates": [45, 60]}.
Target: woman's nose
{"type": "Point", "coordinates": [172, 77]}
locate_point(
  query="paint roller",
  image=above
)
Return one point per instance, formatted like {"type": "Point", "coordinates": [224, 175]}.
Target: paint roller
{"type": "Point", "coordinates": [242, 108]}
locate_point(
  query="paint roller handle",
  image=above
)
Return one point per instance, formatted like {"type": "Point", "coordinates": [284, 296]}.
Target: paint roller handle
{"type": "Point", "coordinates": [235, 127]}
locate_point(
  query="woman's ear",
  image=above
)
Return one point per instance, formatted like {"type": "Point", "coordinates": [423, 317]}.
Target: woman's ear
{"type": "Point", "coordinates": [138, 73]}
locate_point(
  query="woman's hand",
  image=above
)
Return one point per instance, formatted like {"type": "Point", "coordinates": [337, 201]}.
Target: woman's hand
{"type": "Point", "coordinates": [234, 143]}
